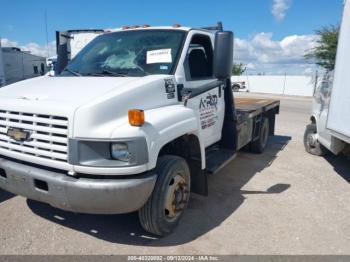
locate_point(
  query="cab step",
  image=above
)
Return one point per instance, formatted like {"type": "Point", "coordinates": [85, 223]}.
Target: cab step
{"type": "Point", "coordinates": [216, 159]}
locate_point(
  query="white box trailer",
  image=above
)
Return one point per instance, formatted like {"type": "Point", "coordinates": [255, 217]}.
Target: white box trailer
{"type": "Point", "coordinates": [330, 127]}
{"type": "Point", "coordinates": [338, 121]}
{"type": "Point", "coordinates": [17, 65]}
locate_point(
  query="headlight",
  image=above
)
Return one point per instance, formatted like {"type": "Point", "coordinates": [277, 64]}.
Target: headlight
{"type": "Point", "coordinates": [117, 153]}
{"type": "Point", "coordinates": [120, 151]}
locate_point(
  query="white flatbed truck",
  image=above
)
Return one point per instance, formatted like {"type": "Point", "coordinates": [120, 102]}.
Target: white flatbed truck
{"type": "Point", "coordinates": [329, 130]}
{"type": "Point", "coordinates": [135, 122]}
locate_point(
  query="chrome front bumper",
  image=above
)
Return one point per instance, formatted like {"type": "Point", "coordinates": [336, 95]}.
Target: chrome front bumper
{"type": "Point", "coordinates": [81, 195]}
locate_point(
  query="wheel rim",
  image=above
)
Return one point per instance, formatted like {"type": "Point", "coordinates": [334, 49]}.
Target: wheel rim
{"type": "Point", "coordinates": [311, 140]}
{"type": "Point", "coordinates": [176, 197]}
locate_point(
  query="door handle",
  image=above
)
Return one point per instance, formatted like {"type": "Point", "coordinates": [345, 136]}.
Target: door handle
{"type": "Point", "coordinates": [185, 97]}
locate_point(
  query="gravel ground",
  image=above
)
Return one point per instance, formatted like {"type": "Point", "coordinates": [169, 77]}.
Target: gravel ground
{"type": "Point", "coordinates": [284, 201]}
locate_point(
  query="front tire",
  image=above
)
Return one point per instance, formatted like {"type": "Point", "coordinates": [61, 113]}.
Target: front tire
{"type": "Point", "coordinates": [311, 144]}
{"type": "Point", "coordinates": [163, 210]}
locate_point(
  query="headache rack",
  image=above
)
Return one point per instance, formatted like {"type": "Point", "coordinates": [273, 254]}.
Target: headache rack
{"type": "Point", "coordinates": [217, 27]}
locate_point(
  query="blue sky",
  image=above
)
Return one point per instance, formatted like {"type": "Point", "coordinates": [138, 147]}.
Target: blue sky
{"type": "Point", "coordinates": [22, 22]}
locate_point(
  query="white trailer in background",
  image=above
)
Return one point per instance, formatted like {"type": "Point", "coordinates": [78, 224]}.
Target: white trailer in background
{"type": "Point", "coordinates": [17, 65]}
{"type": "Point", "coordinates": [70, 42]}
{"type": "Point", "coordinates": [330, 121]}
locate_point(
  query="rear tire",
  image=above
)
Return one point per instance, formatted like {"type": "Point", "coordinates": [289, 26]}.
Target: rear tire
{"type": "Point", "coordinates": [163, 210]}
{"type": "Point", "coordinates": [259, 145]}
{"type": "Point", "coordinates": [312, 145]}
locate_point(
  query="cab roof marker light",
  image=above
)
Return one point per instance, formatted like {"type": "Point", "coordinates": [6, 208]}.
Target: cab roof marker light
{"type": "Point", "coordinates": [176, 25]}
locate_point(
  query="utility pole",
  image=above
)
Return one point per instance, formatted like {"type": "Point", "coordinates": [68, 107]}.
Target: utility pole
{"type": "Point", "coordinates": [47, 35]}
{"type": "Point", "coordinates": [284, 82]}
{"type": "Point", "coordinates": [2, 72]}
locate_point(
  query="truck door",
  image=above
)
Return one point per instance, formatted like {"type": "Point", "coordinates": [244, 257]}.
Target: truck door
{"type": "Point", "coordinates": [321, 104]}
{"type": "Point", "coordinates": [207, 96]}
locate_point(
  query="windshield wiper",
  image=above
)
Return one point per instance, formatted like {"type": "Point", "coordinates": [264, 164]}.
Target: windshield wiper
{"type": "Point", "coordinates": [72, 72]}
{"type": "Point", "coordinates": [108, 73]}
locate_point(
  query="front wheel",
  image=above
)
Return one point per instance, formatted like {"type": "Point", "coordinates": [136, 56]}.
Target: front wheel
{"type": "Point", "coordinates": [311, 143]}
{"type": "Point", "coordinates": [163, 210]}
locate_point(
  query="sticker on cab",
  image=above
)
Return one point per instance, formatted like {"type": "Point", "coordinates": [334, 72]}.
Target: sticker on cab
{"type": "Point", "coordinates": [159, 56]}
{"type": "Point", "coordinates": [169, 88]}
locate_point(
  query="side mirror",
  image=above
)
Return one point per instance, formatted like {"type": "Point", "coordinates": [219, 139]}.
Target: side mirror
{"type": "Point", "coordinates": [62, 58]}
{"type": "Point", "coordinates": [223, 54]}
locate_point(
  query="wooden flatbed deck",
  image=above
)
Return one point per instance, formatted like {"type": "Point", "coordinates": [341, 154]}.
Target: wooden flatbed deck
{"type": "Point", "coordinates": [255, 104]}
{"type": "Point", "coordinates": [250, 107]}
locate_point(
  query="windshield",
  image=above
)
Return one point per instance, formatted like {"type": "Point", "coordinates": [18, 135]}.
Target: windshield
{"type": "Point", "coordinates": [128, 53]}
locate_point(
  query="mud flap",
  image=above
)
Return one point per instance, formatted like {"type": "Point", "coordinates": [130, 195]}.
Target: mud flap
{"type": "Point", "coordinates": [199, 179]}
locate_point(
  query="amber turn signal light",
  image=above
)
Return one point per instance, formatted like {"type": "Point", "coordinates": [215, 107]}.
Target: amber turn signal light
{"type": "Point", "coordinates": [136, 117]}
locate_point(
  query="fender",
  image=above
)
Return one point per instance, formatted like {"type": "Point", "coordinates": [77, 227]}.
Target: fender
{"type": "Point", "coordinates": [170, 123]}
{"type": "Point", "coordinates": [163, 125]}
{"type": "Point", "coordinates": [313, 119]}
{"type": "Point", "coordinates": [327, 139]}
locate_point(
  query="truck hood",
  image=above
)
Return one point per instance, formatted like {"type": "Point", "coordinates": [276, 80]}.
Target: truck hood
{"type": "Point", "coordinates": [94, 106]}
{"type": "Point", "coordinates": [68, 91]}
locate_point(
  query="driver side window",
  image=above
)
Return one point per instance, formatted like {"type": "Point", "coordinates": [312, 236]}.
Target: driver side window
{"type": "Point", "coordinates": [199, 60]}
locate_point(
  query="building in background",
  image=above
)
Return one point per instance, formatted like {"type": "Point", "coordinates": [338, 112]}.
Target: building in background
{"type": "Point", "coordinates": [17, 65]}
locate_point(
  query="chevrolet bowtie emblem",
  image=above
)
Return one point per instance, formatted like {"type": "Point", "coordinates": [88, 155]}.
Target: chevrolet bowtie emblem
{"type": "Point", "coordinates": [18, 134]}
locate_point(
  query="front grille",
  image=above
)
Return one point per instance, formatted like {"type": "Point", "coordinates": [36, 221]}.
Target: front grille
{"type": "Point", "coordinates": [48, 134]}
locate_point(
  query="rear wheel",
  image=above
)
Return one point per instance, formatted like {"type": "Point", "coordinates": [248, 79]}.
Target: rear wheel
{"type": "Point", "coordinates": [311, 143]}
{"type": "Point", "coordinates": [259, 145]}
{"type": "Point", "coordinates": [163, 210]}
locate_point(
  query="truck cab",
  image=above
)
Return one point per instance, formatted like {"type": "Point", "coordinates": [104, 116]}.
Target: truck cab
{"type": "Point", "coordinates": [135, 121]}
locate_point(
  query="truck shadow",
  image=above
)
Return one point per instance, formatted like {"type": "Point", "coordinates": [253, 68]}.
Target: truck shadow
{"type": "Point", "coordinates": [4, 196]}
{"type": "Point", "coordinates": [203, 214]}
{"type": "Point", "coordinates": [340, 165]}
